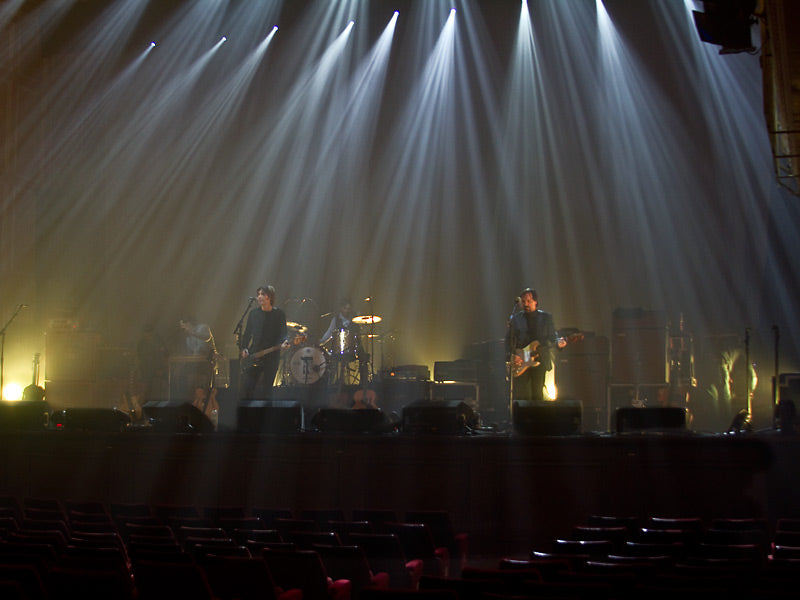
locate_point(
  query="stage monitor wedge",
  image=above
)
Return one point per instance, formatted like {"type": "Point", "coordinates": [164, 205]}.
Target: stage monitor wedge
{"type": "Point", "coordinates": [171, 417]}
{"type": "Point", "coordinates": [269, 416]}
{"type": "Point", "coordinates": [546, 417]}
{"type": "Point", "coordinates": [91, 420]}
{"type": "Point", "coordinates": [654, 419]}
{"type": "Point", "coordinates": [452, 417]}
{"type": "Point", "coordinates": [349, 420]}
{"type": "Point", "coordinates": [24, 415]}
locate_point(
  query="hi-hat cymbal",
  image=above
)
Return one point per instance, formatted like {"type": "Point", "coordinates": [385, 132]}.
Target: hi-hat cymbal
{"type": "Point", "coordinates": [363, 319]}
{"type": "Point", "coordinates": [296, 326]}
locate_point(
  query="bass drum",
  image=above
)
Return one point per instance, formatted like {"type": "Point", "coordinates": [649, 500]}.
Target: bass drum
{"type": "Point", "coordinates": [307, 365]}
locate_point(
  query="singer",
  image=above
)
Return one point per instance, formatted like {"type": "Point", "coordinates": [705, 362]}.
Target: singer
{"type": "Point", "coordinates": [265, 334]}
{"type": "Point", "coordinates": [530, 340]}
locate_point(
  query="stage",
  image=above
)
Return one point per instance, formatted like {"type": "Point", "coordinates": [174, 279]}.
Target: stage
{"type": "Point", "coordinates": [511, 492]}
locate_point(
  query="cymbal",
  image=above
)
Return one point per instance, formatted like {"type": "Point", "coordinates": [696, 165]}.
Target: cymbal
{"type": "Point", "coordinates": [296, 326]}
{"type": "Point", "coordinates": [363, 319]}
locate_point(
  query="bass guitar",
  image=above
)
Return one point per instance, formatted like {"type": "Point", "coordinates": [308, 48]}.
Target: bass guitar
{"type": "Point", "coordinates": [530, 354]}
{"type": "Point", "coordinates": [253, 360]}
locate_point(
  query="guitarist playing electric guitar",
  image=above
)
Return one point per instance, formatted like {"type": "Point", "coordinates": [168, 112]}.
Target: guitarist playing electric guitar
{"type": "Point", "coordinates": [530, 341]}
{"type": "Point", "coordinates": [264, 335]}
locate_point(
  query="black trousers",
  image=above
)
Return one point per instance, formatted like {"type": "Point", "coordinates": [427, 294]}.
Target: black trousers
{"type": "Point", "coordinates": [530, 384]}
{"type": "Point", "coordinates": [263, 371]}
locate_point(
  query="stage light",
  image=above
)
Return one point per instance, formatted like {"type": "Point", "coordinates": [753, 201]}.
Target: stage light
{"type": "Point", "coordinates": [152, 44]}
{"type": "Point", "coordinates": [12, 391]}
{"type": "Point", "coordinates": [726, 23]}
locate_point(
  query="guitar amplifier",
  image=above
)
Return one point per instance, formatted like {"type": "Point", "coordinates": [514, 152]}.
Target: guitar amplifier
{"type": "Point", "coordinates": [409, 372]}
{"type": "Point", "coordinates": [455, 370]}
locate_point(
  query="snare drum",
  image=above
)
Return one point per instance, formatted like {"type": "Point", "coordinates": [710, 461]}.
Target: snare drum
{"type": "Point", "coordinates": [344, 344]}
{"type": "Point", "coordinates": [307, 365]}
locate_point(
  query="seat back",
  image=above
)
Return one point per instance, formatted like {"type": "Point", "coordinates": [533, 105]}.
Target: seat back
{"type": "Point", "coordinates": [301, 569]}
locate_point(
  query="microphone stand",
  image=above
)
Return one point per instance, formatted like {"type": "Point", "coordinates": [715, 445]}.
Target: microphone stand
{"type": "Point", "coordinates": [747, 370]}
{"type": "Point", "coordinates": [237, 332]}
{"type": "Point", "coordinates": [512, 343]}
{"type": "Point", "coordinates": [775, 376]}
{"type": "Point", "coordinates": [3, 347]}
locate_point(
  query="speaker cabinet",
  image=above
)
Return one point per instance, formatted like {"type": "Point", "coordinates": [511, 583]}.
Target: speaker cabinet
{"type": "Point", "coordinates": [169, 417]}
{"type": "Point", "coordinates": [72, 355]}
{"type": "Point", "coordinates": [438, 416]}
{"type": "Point", "coordinates": [581, 372]}
{"type": "Point", "coordinates": [640, 343]}
{"type": "Point", "coordinates": [269, 416]}
{"type": "Point", "coordinates": [24, 415]}
{"type": "Point", "coordinates": [465, 392]}
{"type": "Point", "coordinates": [546, 417]}
{"type": "Point", "coordinates": [654, 419]}
{"type": "Point", "coordinates": [398, 393]}
{"type": "Point", "coordinates": [91, 420]}
{"type": "Point", "coordinates": [348, 420]}
{"type": "Point", "coordinates": [789, 387]}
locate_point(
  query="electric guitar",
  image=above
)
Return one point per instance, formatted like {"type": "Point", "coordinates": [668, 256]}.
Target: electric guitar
{"type": "Point", "coordinates": [530, 354]}
{"type": "Point", "coordinates": [253, 360]}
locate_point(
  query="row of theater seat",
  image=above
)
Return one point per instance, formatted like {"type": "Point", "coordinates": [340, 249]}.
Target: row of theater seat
{"type": "Point", "coordinates": [142, 552]}
{"type": "Point", "coordinates": [52, 549]}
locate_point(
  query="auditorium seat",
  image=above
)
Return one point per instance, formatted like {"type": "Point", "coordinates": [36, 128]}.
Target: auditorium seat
{"type": "Point", "coordinates": [29, 581]}
{"type": "Point", "coordinates": [385, 554]}
{"type": "Point", "coordinates": [243, 578]}
{"type": "Point", "coordinates": [304, 569]}
{"type": "Point", "coordinates": [616, 535]}
{"type": "Point", "coordinates": [467, 589]}
{"type": "Point", "coordinates": [245, 536]}
{"type": "Point", "coordinates": [306, 540]}
{"type": "Point", "coordinates": [344, 528]}
{"type": "Point", "coordinates": [631, 523]}
{"type": "Point", "coordinates": [170, 579]}
{"type": "Point", "coordinates": [591, 548]}
{"type": "Point", "coordinates": [230, 524]}
{"type": "Point", "coordinates": [322, 516]}
{"type": "Point", "coordinates": [376, 516]}
{"type": "Point", "coordinates": [288, 526]}
{"type": "Point", "coordinates": [418, 544]}
{"type": "Point", "coordinates": [270, 515]}
{"type": "Point", "coordinates": [89, 583]}
{"type": "Point", "coordinates": [10, 506]}
{"type": "Point", "coordinates": [350, 563]}
{"type": "Point", "coordinates": [444, 535]}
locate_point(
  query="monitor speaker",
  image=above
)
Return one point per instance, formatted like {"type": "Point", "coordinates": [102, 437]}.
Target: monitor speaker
{"type": "Point", "coordinates": [438, 416]}
{"type": "Point", "coordinates": [348, 420]}
{"type": "Point", "coordinates": [269, 416]}
{"type": "Point", "coordinates": [24, 415]}
{"type": "Point", "coordinates": [170, 417]}
{"type": "Point", "coordinates": [532, 417]}
{"type": "Point", "coordinates": [650, 418]}
{"type": "Point", "coordinates": [93, 420]}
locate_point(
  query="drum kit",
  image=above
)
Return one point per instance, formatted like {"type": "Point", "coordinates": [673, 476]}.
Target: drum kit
{"type": "Point", "coordinates": [329, 361]}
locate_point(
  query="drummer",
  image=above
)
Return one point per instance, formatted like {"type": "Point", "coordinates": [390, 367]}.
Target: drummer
{"type": "Point", "coordinates": [343, 322]}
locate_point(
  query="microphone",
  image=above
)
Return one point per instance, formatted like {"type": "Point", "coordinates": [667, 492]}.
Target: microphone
{"type": "Point", "coordinates": [251, 299]}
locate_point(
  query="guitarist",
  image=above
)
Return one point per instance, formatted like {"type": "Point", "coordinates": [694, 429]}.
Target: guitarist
{"type": "Point", "coordinates": [525, 327]}
{"type": "Point", "coordinates": [264, 336]}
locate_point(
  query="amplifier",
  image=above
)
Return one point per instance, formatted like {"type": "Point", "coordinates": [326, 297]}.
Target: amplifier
{"type": "Point", "coordinates": [456, 370]}
{"type": "Point", "coordinates": [420, 372]}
